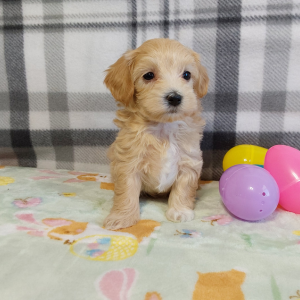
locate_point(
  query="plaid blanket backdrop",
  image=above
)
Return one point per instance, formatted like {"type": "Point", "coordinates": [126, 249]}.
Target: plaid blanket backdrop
{"type": "Point", "coordinates": [56, 113]}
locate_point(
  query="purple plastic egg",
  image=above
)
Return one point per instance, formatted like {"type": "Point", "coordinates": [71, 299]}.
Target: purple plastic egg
{"type": "Point", "coordinates": [249, 192]}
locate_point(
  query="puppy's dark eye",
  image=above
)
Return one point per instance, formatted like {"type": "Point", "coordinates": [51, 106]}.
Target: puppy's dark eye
{"type": "Point", "coordinates": [148, 76]}
{"type": "Point", "coordinates": [186, 75]}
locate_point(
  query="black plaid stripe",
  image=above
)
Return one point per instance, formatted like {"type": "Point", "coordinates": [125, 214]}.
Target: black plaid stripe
{"type": "Point", "coordinates": [166, 21]}
{"type": "Point", "coordinates": [133, 24]}
{"type": "Point", "coordinates": [163, 23]}
{"type": "Point", "coordinates": [15, 67]}
{"type": "Point", "coordinates": [227, 79]}
{"type": "Point", "coordinates": [44, 138]}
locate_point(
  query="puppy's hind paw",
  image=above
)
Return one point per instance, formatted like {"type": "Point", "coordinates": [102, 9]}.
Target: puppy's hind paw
{"type": "Point", "coordinates": [184, 215]}
{"type": "Point", "coordinates": [116, 221]}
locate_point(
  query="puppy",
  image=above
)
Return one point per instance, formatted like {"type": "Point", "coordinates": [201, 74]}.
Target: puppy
{"type": "Point", "coordinates": [157, 150]}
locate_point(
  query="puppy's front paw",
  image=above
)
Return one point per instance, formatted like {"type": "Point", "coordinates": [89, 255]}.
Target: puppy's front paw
{"type": "Point", "coordinates": [119, 220]}
{"type": "Point", "coordinates": [184, 215]}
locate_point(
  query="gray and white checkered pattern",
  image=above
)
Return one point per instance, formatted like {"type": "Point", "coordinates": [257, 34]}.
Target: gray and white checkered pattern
{"type": "Point", "coordinates": [56, 113]}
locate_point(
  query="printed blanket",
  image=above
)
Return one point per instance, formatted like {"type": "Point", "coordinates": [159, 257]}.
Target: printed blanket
{"type": "Point", "coordinates": [53, 246]}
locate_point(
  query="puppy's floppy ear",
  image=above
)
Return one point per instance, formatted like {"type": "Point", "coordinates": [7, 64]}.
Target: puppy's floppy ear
{"type": "Point", "coordinates": [118, 78]}
{"type": "Point", "coordinates": [201, 81]}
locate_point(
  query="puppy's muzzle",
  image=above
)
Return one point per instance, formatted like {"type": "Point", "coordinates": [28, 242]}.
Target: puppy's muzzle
{"type": "Point", "coordinates": [174, 99]}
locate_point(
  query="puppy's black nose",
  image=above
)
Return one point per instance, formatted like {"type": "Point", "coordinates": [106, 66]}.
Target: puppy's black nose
{"type": "Point", "coordinates": [174, 99]}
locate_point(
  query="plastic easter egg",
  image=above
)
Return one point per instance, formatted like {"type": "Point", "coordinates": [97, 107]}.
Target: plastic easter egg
{"type": "Point", "coordinates": [249, 192]}
{"type": "Point", "coordinates": [283, 163]}
{"type": "Point", "coordinates": [244, 154]}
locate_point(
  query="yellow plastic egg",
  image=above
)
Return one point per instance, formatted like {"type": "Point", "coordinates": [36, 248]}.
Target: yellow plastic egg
{"type": "Point", "coordinates": [244, 154]}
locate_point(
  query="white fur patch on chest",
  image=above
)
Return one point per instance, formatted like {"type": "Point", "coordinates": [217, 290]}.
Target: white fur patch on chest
{"type": "Point", "coordinates": [169, 170]}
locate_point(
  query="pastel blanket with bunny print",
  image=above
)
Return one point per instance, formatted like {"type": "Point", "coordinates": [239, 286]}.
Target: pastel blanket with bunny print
{"type": "Point", "coordinates": [53, 245]}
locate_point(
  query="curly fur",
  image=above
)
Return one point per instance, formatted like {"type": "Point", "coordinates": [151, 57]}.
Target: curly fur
{"type": "Point", "coordinates": [157, 149]}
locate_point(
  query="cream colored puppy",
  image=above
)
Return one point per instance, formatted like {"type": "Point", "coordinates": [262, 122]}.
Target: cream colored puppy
{"type": "Point", "coordinates": [157, 150]}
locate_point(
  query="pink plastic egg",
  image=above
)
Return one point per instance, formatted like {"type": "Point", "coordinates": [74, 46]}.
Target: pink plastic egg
{"type": "Point", "coordinates": [283, 162]}
{"type": "Point", "coordinates": [249, 192]}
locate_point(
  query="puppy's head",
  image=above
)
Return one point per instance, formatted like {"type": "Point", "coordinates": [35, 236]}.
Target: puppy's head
{"type": "Point", "coordinates": [162, 79]}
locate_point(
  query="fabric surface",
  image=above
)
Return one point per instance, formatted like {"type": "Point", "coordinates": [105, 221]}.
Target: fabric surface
{"type": "Point", "coordinates": [52, 245]}
{"type": "Point", "coordinates": [56, 113]}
